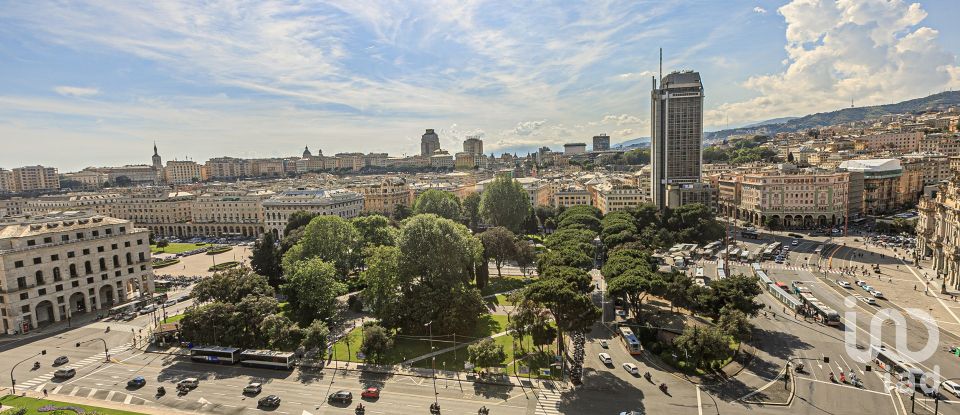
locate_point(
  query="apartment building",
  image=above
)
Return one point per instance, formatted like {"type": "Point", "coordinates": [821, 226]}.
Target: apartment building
{"type": "Point", "coordinates": [159, 210]}
{"type": "Point", "coordinates": [568, 195]}
{"type": "Point", "coordinates": [56, 266]}
{"type": "Point", "coordinates": [947, 144]}
{"type": "Point", "coordinates": [383, 196]}
{"type": "Point", "coordinates": [340, 202]}
{"type": "Point", "coordinates": [182, 172]}
{"type": "Point", "coordinates": [619, 193]}
{"type": "Point", "coordinates": [7, 184]}
{"type": "Point", "coordinates": [938, 232]}
{"type": "Point", "coordinates": [34, 178]}
{"type": "Point", "coordinates": [227, 168]}
{"type": "Point", "coordinates": [86, 180]}
{"type": "Point", "coordinates": [881, 184]}
{"type": "Point", "coordinates": [100, 203]}
{"type": "Point", "coordinates": [905, 142]}
{"type": "Point", "coordinates": [786, 199]}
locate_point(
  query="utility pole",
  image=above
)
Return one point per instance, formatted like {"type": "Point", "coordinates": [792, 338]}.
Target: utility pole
{"type": "Point", "coordinates": [433, 365]}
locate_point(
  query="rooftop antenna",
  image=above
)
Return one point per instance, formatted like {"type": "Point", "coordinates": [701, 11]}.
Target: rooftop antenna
{"type": "Point", "coordinates": [661, 67]}
{"type": "Point", "coordinates": [851, 102]}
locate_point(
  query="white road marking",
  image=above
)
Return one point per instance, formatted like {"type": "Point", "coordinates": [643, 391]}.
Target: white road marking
{"type": "Point", "coordinates": [127, 400]}
{"type": "Point", "coordinates": [699, 402]}
{"type": "Point", "coordinates": [74, 391]}
{"type": "Point", "coordinates": [92, 391]}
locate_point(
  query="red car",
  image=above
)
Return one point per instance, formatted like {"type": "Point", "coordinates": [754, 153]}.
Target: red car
{"type": "Point", "coordinates": [372, 392]}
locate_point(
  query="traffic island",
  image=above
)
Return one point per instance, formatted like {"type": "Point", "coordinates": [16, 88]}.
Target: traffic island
{"type": "Point", "coordinates": [778, 392]}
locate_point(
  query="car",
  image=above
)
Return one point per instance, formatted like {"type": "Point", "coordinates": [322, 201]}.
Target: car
{"type": "Point", "coordinates": [148, 309]}
{"type": "Point", "coordinates": [136, 382]}
{"type": "Point", "coordinates": [778, 260]}
{"type": "Point", "coordinates": [604, 344]}
{"type": "Point", "coordinates": [878, 294]}
{"type": "Point", "coordinates": [621, 312]}
{"type": "Point", "coordinates": [269, 401]}
{"type": "Point", "coordinates": [169, 303]}
{"type": "Point", "coordinates": [631, 368]}
{"type": "Point", "coordinates": [61, 360]}
{"type": "Point", "coordinates": [64, 373]}
{"type": "Point", "coordinates": [795, 242]}
{"type": "Point", "coordinates": [253, 388]}
{"type": "Point", "coordinates": [606, 359]}
{"type": "Point", "coordinates": [190, 383]}
{"type": "Point", "coordinates": [869, 300]}
{"type": "Point", "coordinates": [860, 283]}
{"type": "Point", "coordinates": [372, 392]}
{"type": "Point", "coordinates": [631, 413]}
{"type": "Point", "coordinates": [952, 387]}
{"type": "Point", "coordinates": [129, 316]}
{"type": "Point", "coordinates": [341, 397]}
{"type": "Point", "coordinates": [866, 287]}
{"type": "Point", "coordinates": [844, 284]}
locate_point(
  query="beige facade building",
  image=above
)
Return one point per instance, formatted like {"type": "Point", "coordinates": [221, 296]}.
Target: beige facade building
{"type": "Point", "coordinates": [182, 172]}
{"type": "Point", "coordinates": [338, 202]}
{"type": "Point", "coordinates": [227, 168]}
{"type": "Point", "coordinates": [54, 267]}
{"type": "Point", "coordinates": [789, 200]}
{"type": "Point", "coordinates": [159, 210]}
{"type": "Point", "coordinates": [383, 196]}
{"type": "Point", "coordinates": [619, 193]}
{"type": "Point", "coordinates": [7, 184]}
{"type": "Point", "coordinates": [88, 180]}
{"type": "Point", "coordinates": [938, 232]}
{"type": "Point", "coordinates": [473, 145]}
{"type": "Point", "coordinates": [881, 184]}
{"type": "Point", "coordinates": [100, 203]}
{"type": "Point", "coordinates": [947, 144]}
{"type": "Point", "coordinates": [571, 195]}
{"type": "Point", "coordinates": [33, 178]}
{"type": "Point", "coordinates": [906, 142]}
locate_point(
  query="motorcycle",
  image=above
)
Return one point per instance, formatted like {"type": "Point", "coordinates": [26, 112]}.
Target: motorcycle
{"type": "Point", "coordinates": [843, 379]}
{"type": "Point", "coordinates": [663, 387]}
{"type": "Point", "coordinates": [108, 329]}
{"type": "Point", "coordinates": [161, 391]}
{"type": "Point", "coordinates": [434, 408]}
{"type": "Point", "coordinates": [360, 409]}
{"type": "Point", "coordinates": [832, 379]}
{"type": "Point", "coordinates": [799, 368]}
{"type": "Point", "coordinates": [36, 365]}
{"type": "Point", "coordinates": [483, 411]}
{"type": "Point", "coordinates": [647, 376]}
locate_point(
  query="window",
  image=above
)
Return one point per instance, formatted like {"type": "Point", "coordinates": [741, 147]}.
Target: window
{"type": "Point", "coordinates": [18, 264]}
{"type": "Point", "coordinates": [70, 254]}
{"type": "Point", "coordinates": [90, 280]}
{"type": "Point", "coordinates": [59, 287]}
{"type": "Point", "coordinates": [79, 235]}
{"type": "Point", "coordinates": [37, 261]}
{"type": "Point", "coordinates": [42, 291]}
{"type": "Point", "coordinates": [31, 242]}
{"type": "Point", "coordinates": [64, 238]}
{"type": "Point", "coordinates": [117, 273]}
{"type": "Point", "coordinates": [25, 309]}
{"type": "Point", "coordinates": [103, 264]}
{"type": "Point", "coordinates": [48, 240]}
{"type": "Point", "coordinates": [75, 284]}
{"type": "Point", "coordinates": [86, 252]}
{"type": "Point", "coordinates": [126, 244]}
{"type": "Point", "coordinates": [123, 229]}
{"type": "Point", "coordinates": [25, 296]}
{"type": "Point", "coordinates": [95, 234]}
{"type": "Point", "coordinates": [109, 231]}
{"type": "Point", "coordinates": [21, 283]}
{"type": "Point", "coordinates": [103, 277]}
{"type": "Point", "coordinates": [39, 278]}
{"type": "Point", "coordinates": [139, 241]}
{"type": "Point", "coordinates": [100, 249]}
{"type": "Point", "coordinates": [114, 246]}
{"type": "Point", "coordinates": [54, 257]}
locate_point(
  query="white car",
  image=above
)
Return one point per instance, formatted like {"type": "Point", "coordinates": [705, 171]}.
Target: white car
{"type": "Point", "coordinates": [795, 242]}
{"type": "Point", "coordinates": [604, 344]}
{"type": "Point", "coordinates": [189, 383]}
{"type": "Point", "coordinates": [953, 387]}
{"type": "Point", "coordinates": [632, 368]}
{"type": "Point", "coordinates": [170, 303]}
{"type": "Point", "coordinates": [148, 309]}
{"type": "Point", "coordinates": [621, 312]}
{"type": "Point", "coordinates": [844, 284]}
{"type": "Point", "coordinates": [869, 300]}
{"type": "Point", "coordinates": [877, 294]}
{"type": "Point", "coordinates": [606, 359]}
{"type": "Point", "coordinates": [253, 388]}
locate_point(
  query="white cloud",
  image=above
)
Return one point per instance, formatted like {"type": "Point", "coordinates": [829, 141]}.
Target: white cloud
{"type": "Point", "coordinates": [76, 91]}
{"type": "Point", "coordinates": [870, 51]}
{"type": "Point", "coordinates": [620, 119]}
{"type": "Point", "coordinates": [528, 127]}
{"type": "Point", "coordinates": [759, 10]}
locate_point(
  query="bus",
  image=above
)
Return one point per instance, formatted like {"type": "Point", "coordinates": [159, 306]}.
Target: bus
{"type": "Point", "coordinates": [130, 307]}
{"type": "Point", "coordinates": [749, 234]}
{"type": "Point", "coordinates": [721, 272]}
{"type": "Point", "coordinates": [215, 354]}
{"type": "Point", "coordinates": [893, 362]}
{"type": "Point", "coordinates": [818, 250]}
{"type": "Point", "coordinates": [268, 359]}
{"type": "Point", "coordinates": [630, 341]}
{"type": "Point", "coordinates": [821, 311]}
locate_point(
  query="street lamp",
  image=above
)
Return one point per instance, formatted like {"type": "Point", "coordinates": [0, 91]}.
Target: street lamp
{"type": "Point", "coordinates": [433, 364]}
{"type": "Point", "coordinates": [13, 382]}
{"type": "Point", "coordinates": [106, 354]}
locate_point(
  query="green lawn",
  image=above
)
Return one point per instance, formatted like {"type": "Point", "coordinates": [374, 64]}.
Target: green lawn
{"type": "Point", "coordinates": [408, 347]}
{"type": "Point", "coordinates": [174, 319]}
{"type": "Point", "coordinates": [175, 248]}
{"type": "Point", "coordinates": [503, 284]}
{"type": "Point", "coordinates": [32, 404]}
{"type": "Point", "coordinates": [499, 299]}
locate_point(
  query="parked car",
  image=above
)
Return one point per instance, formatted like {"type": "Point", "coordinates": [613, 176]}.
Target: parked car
{"type": "Point", "coordinates": [169, 303]}
{"type": "Point", "coordinates": [269, 401]}
{"type": "Point", "coordinates": [878, 294]}
{"type": "Point", "coordinates": [372, 392]}
{"type": "Point", "coordinates": [253, 388]}
{"type": "Point", "coordinates": [621, 312]}
{"type": "Point", "coordinates": [136, 382]}
{"type": "Point", "coordinates": [341, 397]}
{"type": "Point", "coordinates": [631, 368]}
{"type": "Point", "coordinates": [606, 359]}
{"type": "Point", "coordinates": [844, 284]}
{"type": "Point", "coordinates": [795, 242]}
{"type": "Point", "coordinates": [129, 316]}
{"type": "Point", "coordinates": [866, 288]}
{"type": "Point", "coordinates": [860, 283]}
{"type": "Point", "coordinates": [147, 309]}
{"type": "Point", "coordinates": [869, 300]}
{"type": "Point", "coordinates": [64, 373]}
{"type": "Point", "coordinates": [604, 344]}
{"type": "Point", "coordinates": [61, 360]}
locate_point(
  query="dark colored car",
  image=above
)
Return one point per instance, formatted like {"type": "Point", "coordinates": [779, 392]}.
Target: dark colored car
{"type": "Point", "coordinates": [62, 360]}
{"type": "Point", "coordinates": [64, 373]}
{"type": "Point", "coordinates": [137, 382]}
{"type": "Point", "coordinates": [341, 396]}
{"type": "Point", "coordinates": [269, 401]}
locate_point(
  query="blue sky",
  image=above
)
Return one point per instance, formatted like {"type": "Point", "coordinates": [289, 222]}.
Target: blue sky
{"type": "Point", "coordinates": [97, 83]}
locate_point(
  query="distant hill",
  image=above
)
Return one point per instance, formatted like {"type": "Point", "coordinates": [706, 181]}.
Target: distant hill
{"type": "Point", "coordinates": [940, 101]}
{"type": "Point", "coordinates": [780, 120]}
{"type": "Point", "coordinates": [633, 142]}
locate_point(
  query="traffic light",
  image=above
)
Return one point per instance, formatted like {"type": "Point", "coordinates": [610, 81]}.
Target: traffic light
{"type": "Point", "coordinates": [826, 359]}
{"type": "Point", "coordinates": [78, 344]}
{"type": "Point", "coordinates": [867, 368]}
{"type": "Point", "coordinates": [43, 352]}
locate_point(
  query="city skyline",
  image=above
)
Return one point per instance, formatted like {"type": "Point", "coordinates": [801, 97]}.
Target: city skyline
{"type": "Point", "coordinates": [265, 80]}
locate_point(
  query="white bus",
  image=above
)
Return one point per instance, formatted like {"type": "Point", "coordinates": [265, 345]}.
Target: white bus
{"type": "Point", "coordinates": [267, 359]}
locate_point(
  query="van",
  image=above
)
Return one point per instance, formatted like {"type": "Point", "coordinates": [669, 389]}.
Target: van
{"type": "Point", "coordinates": [952, 387]}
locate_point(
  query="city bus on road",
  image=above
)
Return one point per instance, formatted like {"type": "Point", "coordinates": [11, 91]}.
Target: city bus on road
{"type": "Point", "coordinates": [630, 341]}
{"type": "Point", "coordinates": [750, 234]}
{"type": "Point", "coordinates": [268, 359]}
{"type": "Point", "coordinates": [893, 362]}
{"type": "Point", "coordinates": [215, 354]}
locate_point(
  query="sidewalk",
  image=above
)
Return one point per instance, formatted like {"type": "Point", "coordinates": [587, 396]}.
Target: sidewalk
{"type": "Point", "coordinates": [77, 320]}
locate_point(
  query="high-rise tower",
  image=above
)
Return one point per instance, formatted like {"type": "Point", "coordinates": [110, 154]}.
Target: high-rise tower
{"type": "Point", "coordinates": [157, 162]}
{"type": "Point", "coordinates": [676, 137]}
{"type": "Point", "coordinates": [473, 145]}
{"type": "Point", "coordinates": [429, 143]}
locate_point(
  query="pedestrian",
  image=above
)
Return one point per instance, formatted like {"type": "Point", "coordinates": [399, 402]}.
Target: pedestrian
{"type": "Point", "coordinates": [914, 287]}
{"type": "Point", "coordinates": [44, 392]}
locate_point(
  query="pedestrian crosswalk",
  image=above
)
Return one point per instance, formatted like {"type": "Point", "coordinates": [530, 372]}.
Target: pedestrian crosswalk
{"type": "Point", "coordinates": [548, 403]}
{"type": "Point", "coordinates": [801, 268]}
{"type": "Point", "coordinates": [40, 382]}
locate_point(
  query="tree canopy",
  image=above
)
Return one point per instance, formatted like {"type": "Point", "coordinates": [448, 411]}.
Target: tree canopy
{"type": "Point", "coordinates": [330, 238]}
{"type": "Point", "coordinates": [312, 288]}
{"type": "Point", "coordinates": [440, 203]}
{"type": "Point", "coordinates": [505, 203]}
{"type": "Point", "coordinates": [498, 244]}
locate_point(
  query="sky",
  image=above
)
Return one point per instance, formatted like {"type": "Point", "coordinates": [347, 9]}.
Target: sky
{"type": "Point", "coordinates": [97, 83]}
